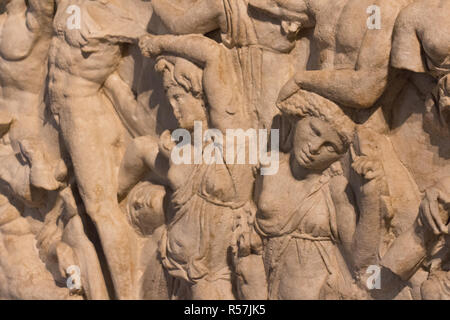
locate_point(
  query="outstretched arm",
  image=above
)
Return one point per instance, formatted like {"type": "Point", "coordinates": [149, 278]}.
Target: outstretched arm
{"type": "Point", "coordinates": [201, 17]}
{"type": "Point", "coordinates": [360, 237]}
{"type": "Point", "coordinates": [368, 229]}
{"type": "Point", "coordinates": [24, 25]}
{"type": "Point", "coordinates": [357, 88]}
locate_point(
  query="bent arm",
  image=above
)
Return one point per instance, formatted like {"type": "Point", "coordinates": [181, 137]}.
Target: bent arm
{"type": "Point", "coordinates": [359, 237]}
{"type": "Point", "coordinates": [368, 230]}
{"type": "Point", "coordinates": [202, 16]}
{"type": "Point", "coordinates": [141, 157]}
{"type": "Point", "coordinates": [358, 89]}
{"type": "Point", "coordinates": [345, 212]}
{"type": "Point", "coordinates": [362, 86]}
{"type": "Point", "coordinates": [219, 79]}
{"type": "Point", "coordinates": [123, 100]}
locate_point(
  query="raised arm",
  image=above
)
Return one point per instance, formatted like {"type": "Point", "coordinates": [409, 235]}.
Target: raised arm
{"type": "Point", "coordinates": [200, 17]}
{"type": "Point", "coordinates": [359, 237]}
{"type": "Point", "coordinates": [219, 79]}
{"type": "Point", "coordinates": [357, 88]}
{"type": "Point", "coordinates": [142, 157]}
{"type": "Point", "coordinates": [372, 191]}
{"type": "Point", "coordinates": [345, 212]}
{"type": "Point", "coordinates": [196, 48]}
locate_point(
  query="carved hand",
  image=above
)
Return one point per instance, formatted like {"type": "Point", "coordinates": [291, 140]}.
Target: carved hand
{"type": "Point", "coordinates": [368, 167]}
{"type": "Point", "coordinates": [149, 45]}
{"type": "Point", "coordinates": [288, 90]}
{"type": "Point", "coordinates": [435, 207]}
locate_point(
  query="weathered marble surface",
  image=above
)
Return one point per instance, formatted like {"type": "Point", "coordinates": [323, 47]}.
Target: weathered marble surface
{"type": "Point", "coordinates": [119, 176]}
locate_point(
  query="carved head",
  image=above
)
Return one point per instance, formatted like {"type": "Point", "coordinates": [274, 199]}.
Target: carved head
{"type": "Point", "coordinates": [321, 131]}
{"type": "Point", "coordinates": [182, 81]}
{"type": "Point", "coordinates": [145, 207]}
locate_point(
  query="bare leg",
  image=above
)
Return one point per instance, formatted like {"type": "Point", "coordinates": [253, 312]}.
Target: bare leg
{"type": "Point", "coordinates": [89, 128]}
{"type": "Point", "coordinates": [91, 275]}
{"type": "Point", "coordinates": [22, 274]}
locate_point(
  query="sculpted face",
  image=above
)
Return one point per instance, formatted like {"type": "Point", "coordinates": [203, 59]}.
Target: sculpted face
{"type": "Point", "coordinates": [316, 144]}
{"type": "Point", "coordinates": [187, 108]}
{"type": "Point", "coordinates": [146, 207]}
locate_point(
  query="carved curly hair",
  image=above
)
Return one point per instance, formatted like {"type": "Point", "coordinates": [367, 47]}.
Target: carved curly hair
{"type": "Point", "coordinates": [308, 104]}
{"type": "Point", "coordinates": [178, 71]}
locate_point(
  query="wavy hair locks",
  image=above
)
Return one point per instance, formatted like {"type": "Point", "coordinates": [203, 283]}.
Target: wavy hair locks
{"type": "Point", "coordinates": [308, 104]}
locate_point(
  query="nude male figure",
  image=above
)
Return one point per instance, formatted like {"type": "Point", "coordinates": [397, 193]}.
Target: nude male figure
{"type": "Point", "coordinates": [25, 29]}
{"type": "Point", "coordinates": [81, 61]}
